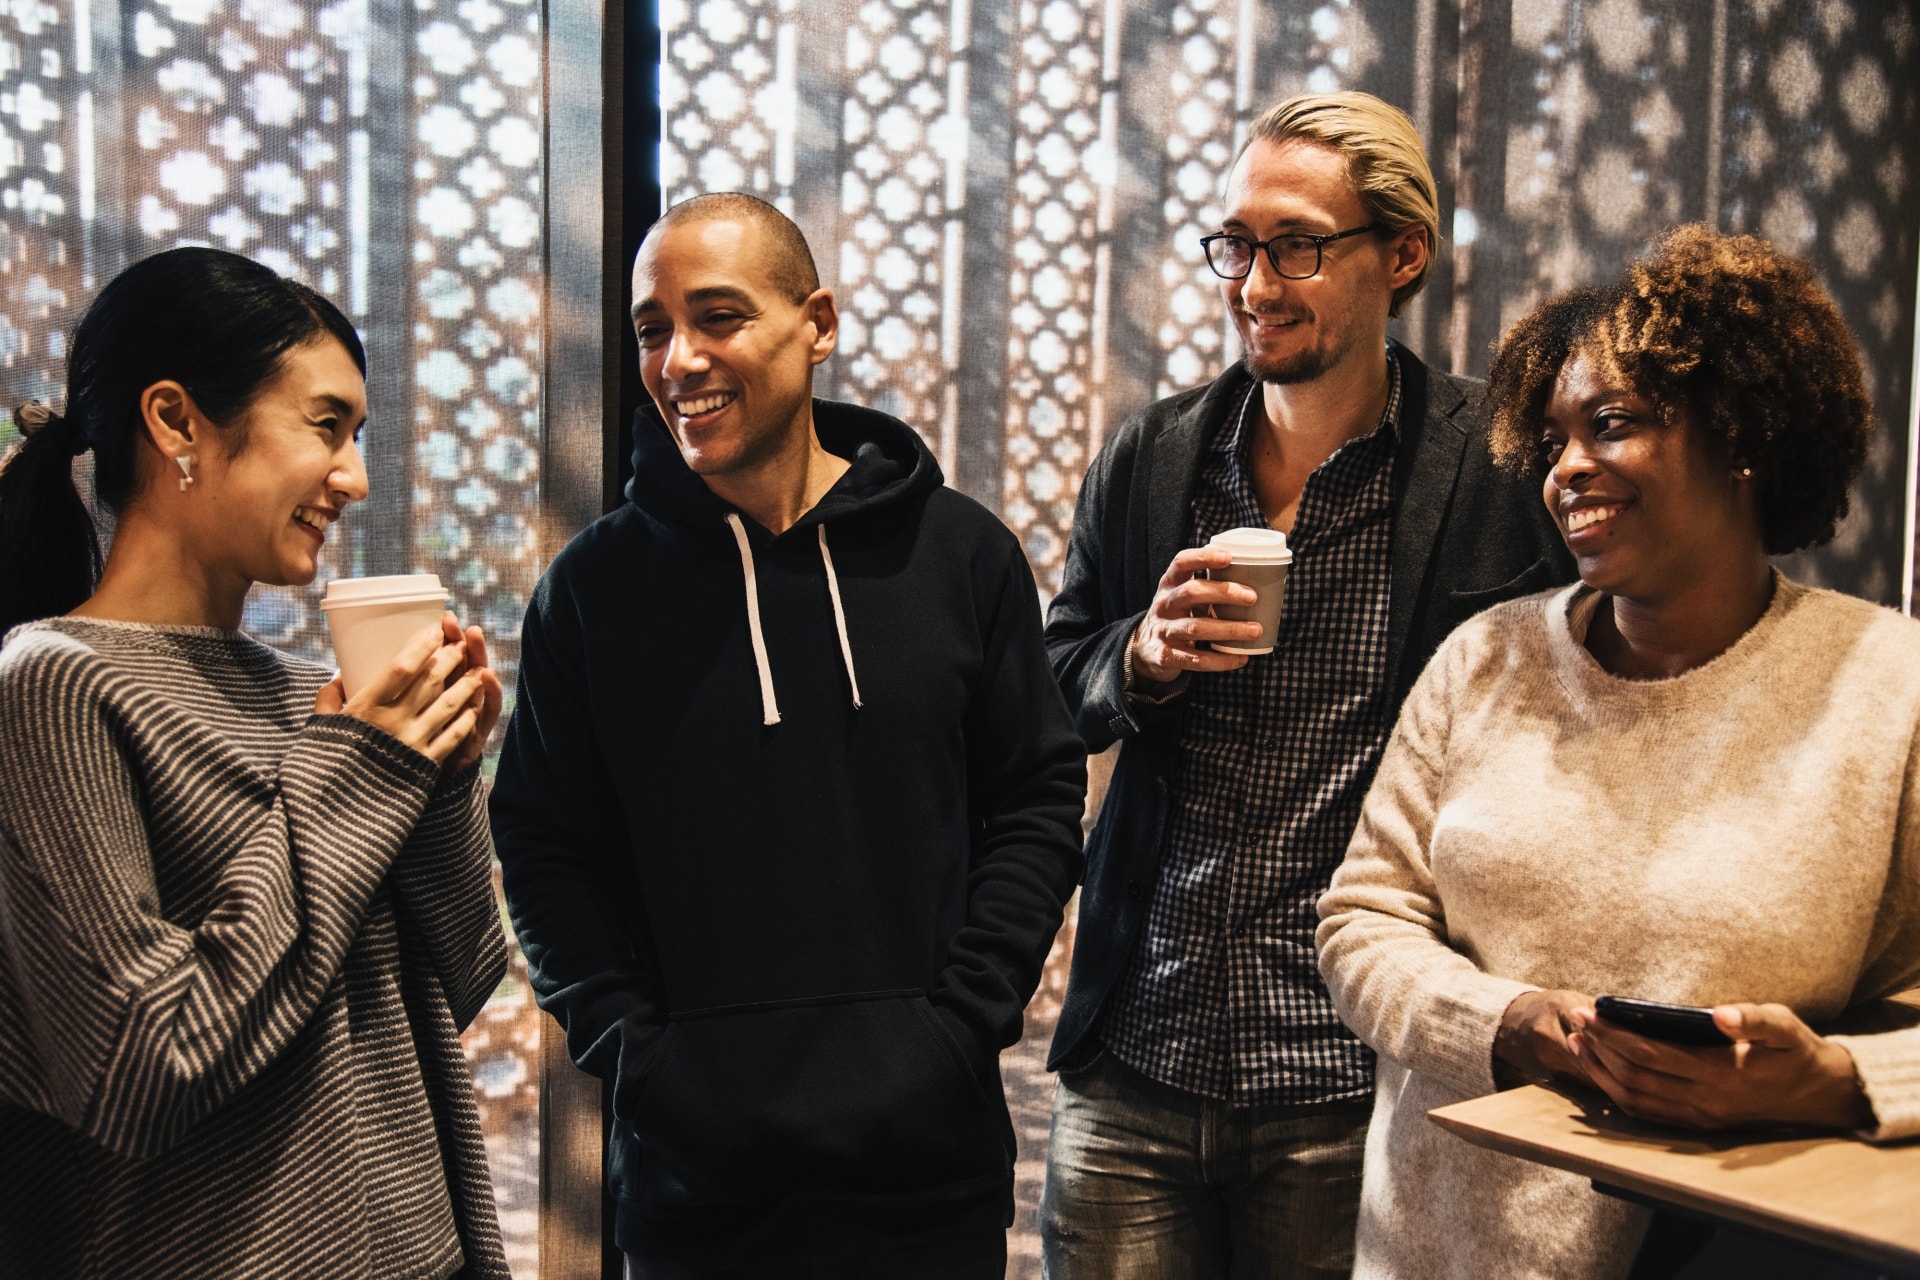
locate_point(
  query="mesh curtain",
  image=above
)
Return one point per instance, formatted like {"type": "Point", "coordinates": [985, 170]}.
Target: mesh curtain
{"type": "Point", "coordinates": [1008, 197]}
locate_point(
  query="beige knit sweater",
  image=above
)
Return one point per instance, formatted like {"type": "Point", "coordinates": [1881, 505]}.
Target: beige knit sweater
{"type": "Point", "coordinates": [1749, 830]}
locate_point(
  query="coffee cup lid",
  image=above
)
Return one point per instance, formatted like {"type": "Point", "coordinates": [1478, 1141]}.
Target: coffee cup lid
{"type": "Point", "coordinates": [1254, 546]}
{"type": "Point", "coordinates": [399, 588]}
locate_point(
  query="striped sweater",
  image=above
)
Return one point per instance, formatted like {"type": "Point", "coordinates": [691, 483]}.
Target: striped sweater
{"type": "Point", "coordinates": [237, 944]}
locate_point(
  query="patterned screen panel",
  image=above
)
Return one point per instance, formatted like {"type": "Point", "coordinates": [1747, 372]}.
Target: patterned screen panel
{"type": "Point", "coordinates": [390, 156]}
{"type": "Point", "coordinates": [1007, 198]}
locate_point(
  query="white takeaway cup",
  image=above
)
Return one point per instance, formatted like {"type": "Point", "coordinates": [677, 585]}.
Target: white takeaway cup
{"type": "Point", "coordinates": [372, 619]}
{"type": "Point", "coordinates": [1261, 559]}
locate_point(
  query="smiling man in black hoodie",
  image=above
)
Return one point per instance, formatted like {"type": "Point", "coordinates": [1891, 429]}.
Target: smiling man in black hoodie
{"type": "Point", "coordinates": [789, 804]}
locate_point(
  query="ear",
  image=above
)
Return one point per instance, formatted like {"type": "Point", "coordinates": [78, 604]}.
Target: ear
{"type": "Point", "coordinates": [1408, 254]}
{"type": "Point", "coordinates": [172, 419]}
{"type": "Point", "coordinates": [824, 315]}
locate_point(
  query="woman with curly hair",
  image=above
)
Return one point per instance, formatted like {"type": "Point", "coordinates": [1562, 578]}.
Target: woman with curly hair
{"type": "Point", "coordinates": [1686, 778]}
{"type": "Point", "coordinates": [242, 915]}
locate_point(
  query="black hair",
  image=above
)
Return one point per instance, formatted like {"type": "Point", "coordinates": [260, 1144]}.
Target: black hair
{"type": "Point", "coordinates": [1735, 331]}
{"type": "Point", "coordinates": [215, 322]}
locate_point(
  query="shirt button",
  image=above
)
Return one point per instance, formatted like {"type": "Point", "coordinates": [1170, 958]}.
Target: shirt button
{"type": "Point", "coordinates": [1269, 745]}
{"type": "Point", "coordinates": [1136, 890]}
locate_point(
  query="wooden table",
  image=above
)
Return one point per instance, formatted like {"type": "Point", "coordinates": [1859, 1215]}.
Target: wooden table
{"type": "Point", "coordinates": [1830, 1191]}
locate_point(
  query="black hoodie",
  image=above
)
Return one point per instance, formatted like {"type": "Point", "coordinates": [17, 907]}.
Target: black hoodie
{"type": "Point", "coordinates": [792, 931]}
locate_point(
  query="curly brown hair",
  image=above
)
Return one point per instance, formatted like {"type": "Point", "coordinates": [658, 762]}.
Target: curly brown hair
{"type": "Point", "coordinates": [1731, 330]}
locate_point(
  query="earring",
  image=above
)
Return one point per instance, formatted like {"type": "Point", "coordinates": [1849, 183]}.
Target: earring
{"type": "Point", "coordinates": [185, 463]}
{"type": "Point", "coordinates": [1746, 473]}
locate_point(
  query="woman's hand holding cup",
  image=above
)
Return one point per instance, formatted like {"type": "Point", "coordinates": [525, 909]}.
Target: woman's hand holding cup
{"type": "Point", "coordinates": [487, 701]}
{"type": "Point", "coordinates": [437, 695]}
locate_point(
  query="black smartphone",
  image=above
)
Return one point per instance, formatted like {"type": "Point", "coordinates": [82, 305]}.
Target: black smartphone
{"type": "Point", "coordinates": [1673, 1023]}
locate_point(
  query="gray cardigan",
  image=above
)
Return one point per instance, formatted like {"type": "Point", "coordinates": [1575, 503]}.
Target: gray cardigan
{"type": "Point", "coordinates": [1465, 536]}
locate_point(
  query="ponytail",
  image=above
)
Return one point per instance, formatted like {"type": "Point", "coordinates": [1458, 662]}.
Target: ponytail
{"type": "Point", "coordinates": [49, 549]}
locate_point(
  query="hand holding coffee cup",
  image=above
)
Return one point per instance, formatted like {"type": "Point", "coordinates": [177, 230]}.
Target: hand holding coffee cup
{"type": "Point", "coordinates": [1181, 615]}
{"type": "Point", "coordinates": [1260, 561]}
{"type": "Point", "coordinates": [372, 619]}
{"type": "Point", "coordinates": [425, 700]}
{"type": "Point", "coordinates": [407, 668]}
{"type": "Point", "coordinates": [486, 703]}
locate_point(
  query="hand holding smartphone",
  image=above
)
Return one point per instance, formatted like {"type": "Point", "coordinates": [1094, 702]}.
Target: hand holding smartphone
{"type": "Point", "coordinates": [1673, 1023]}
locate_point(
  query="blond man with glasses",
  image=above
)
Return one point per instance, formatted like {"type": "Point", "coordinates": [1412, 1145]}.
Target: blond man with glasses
{"type": "Point", "coordinates": [1211, 1109]}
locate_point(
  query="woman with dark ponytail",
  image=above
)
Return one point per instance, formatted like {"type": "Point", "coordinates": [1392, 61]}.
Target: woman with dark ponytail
{"type": "Point", "coordinates": [243, 917]}
{"type": "Point", "coordinates": [49, 554]}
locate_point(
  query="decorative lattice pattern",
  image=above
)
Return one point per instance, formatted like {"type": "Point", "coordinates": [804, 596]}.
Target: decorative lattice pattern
{"type": "Point", "coordinates": [1060, 223]}
{"type": "Point", "coordinates": [902, 187]}
{"type": "Point", "coordinates": [728, 92]}
{"type": "Point", "coordinates": [46, 126]}
{"type": "Point", "coordinates": [1590, 171]}
{"type": "Point", "coordinates": [475, 164]}
{"type": "Point", "coordinates": [1194, 337]}
{"type": "Point", "coordinates": [728, 98]}
{"type": "Point", "coordinates": [255, 140]}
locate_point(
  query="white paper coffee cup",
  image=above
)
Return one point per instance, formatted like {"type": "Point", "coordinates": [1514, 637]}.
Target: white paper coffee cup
{"type": "Point", "coordinates": [1261, 559]}
{"type": "Point", "coordinates": [371, 620]}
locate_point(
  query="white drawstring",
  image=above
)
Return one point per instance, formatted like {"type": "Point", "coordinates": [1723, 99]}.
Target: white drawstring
{"type": "Point", "coordinates": [769, 709]}
{"type": "Point", "coordinates": [839, 615]}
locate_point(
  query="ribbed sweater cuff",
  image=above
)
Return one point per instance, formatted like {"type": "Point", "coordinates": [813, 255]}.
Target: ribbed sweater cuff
{"type": "Point", "coordinates": [456, 783]}
{"type": "Point", "coordinates": [1463, 1029]}
{"type": "Point", "coordinates": [1888, 1068]}
{"type": "Point", "coordinates": [395, 758]}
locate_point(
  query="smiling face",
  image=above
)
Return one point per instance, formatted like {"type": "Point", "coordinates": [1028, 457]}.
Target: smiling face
{"type": "Point", "coordinates": [1650, 509]}
{"type": "Point", "coordinates": [727, 355]}
{"type": "Point", "coordinates": [1299, 330]}
{"type": "Point", "coordinates": [266, 489]}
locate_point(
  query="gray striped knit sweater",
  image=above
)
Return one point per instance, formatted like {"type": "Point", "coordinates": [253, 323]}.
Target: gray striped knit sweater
{"type": "Point", "coordinates": [237, 944]}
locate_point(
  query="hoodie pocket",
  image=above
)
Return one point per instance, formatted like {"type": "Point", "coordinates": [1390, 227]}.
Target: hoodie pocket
{"type": "Point", "coordinates": [860, 1095]}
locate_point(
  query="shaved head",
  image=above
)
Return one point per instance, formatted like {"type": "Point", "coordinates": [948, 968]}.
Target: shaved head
{"type": "Point", "coordinates": [787, 260]}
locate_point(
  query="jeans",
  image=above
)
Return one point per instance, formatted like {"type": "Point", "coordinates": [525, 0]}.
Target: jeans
{"type": "Point", "coordinates": [1148, 1182]}
{"type": "Point", "coordinates": [973, 1255]}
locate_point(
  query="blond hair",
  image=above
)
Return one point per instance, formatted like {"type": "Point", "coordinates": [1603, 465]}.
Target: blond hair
{"type": "Point", "coordinates": [1385, 160]}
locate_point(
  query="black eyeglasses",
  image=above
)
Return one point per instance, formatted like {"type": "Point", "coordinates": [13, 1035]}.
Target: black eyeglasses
{"type": "Point", "coordinates": [1295, 255]}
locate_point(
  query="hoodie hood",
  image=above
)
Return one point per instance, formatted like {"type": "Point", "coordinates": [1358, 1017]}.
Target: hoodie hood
{"type": "Point", "coordinates": [887, 464]}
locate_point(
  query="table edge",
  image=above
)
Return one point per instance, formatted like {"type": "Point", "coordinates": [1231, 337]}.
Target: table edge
{"type": "Point", "coordinates": [1681, 1195]}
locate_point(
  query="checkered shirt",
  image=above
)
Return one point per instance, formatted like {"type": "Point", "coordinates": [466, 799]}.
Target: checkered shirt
{"type": "Point", "coordinates": [1223, 996]}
